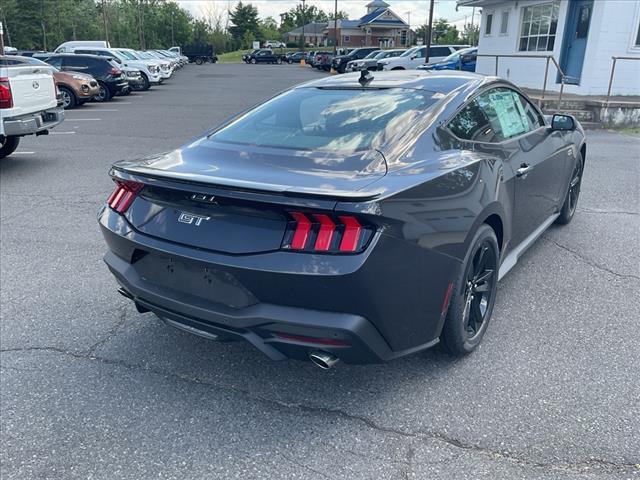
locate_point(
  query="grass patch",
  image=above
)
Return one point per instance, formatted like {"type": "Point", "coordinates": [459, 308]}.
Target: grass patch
{"type": "Point", "coordinates": [631, 131]}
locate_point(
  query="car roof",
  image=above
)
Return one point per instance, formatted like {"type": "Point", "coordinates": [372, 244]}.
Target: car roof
{"type": "Point", "coordinates": [438, 81]}
{"type": "Point", "coordinates": [79, 55]}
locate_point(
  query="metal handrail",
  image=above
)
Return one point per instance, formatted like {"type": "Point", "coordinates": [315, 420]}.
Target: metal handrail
{"type": "Point", "coordinates": [546, 71]}
{"type": "Point", "coordinates": [613, 69]}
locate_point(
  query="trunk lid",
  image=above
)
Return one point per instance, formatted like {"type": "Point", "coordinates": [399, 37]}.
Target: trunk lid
{"type": "Point", "coordinates": [275, 170]}
{"type": "Point", "coordinates": [32, 89]}
{"type": "Point", "coordinates": [217, 197]}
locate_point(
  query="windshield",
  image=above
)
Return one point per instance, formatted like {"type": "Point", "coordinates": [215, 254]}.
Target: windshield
{"type": "Point", "coordinates": [410, 52]}
{"type": "Point", "coordinates": [455, 56]}
{"type": "Point", "coordinates": [344, 120]}
{"type": "Point", "coordinates": [126, 55]}
{"type": "Point", "coordinates": [373, 54]}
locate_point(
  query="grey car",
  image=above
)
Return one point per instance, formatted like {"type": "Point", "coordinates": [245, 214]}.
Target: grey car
{"type": "Point", "coordinates": [360, 217]}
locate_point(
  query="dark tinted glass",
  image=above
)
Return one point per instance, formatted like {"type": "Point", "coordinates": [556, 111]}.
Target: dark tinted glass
{"type": "Point", "coordinates": [55, 61]}
{"type": "Point", "coordinates": [495, 116]}
{"type": "Point", "coordinates": [439, 52]}
{"type": "Point", "coordinates": [584, 16]}
{"type": "Point", "coordinates": [345, 120]}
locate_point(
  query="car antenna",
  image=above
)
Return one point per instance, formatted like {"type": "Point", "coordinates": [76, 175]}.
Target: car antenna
{"type": "Point", "coordinates": [365, 77]}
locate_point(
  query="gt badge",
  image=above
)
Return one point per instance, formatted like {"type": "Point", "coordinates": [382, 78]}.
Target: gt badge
{"type": "Point", "coordinates": [192, 219]}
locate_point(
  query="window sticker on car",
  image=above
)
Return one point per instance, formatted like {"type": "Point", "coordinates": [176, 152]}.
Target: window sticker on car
{"type": "Point", "coordinates": [513, 122]}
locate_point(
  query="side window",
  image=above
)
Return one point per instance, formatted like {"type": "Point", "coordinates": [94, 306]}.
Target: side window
{"type": "Point", "coordinates": [473, 124]}
{"type": "Point", "coordinates": [55, 62]}
{"type": "Point", "coordinates": [533, 117]}
{"type": "Point", "coordinates": [495, 116]}
{"type": "Point", "coordinates": [439, 52]}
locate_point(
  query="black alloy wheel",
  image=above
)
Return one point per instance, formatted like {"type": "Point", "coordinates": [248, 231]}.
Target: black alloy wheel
{"type": "Point", "coordinates": [104, 94]}
{"type": "Point", "coordinates": [68, 98]}
{"type": "Point", "coordinates": [573, 194]}
{"type": "Point", "coordinates": [473, 295]}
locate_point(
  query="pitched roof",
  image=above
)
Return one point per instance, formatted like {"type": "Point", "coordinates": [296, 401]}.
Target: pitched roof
{"type": "Point", "coordinates": [377, 4]}
{"type": "Point", "coordinates": [313, 28]}
{"type": "Point", "coordinates": [373, 18]}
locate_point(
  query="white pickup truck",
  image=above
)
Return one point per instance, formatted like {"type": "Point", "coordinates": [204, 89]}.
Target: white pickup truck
{"type": "Point", "coordinates": [28, 103]}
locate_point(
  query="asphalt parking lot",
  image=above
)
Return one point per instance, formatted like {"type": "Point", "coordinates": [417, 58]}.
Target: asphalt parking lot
{"type": "Point", "coordinates": [92, 389]}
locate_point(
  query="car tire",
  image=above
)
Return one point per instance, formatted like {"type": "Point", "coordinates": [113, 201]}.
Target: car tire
{"type": "Point", "coordinates": [397, 68]}
{"type": "Point", "coordinates": [473, 295]}
{"type": "Point", "coordinates": [279, 61]}
{"type": "Point", "coordinates": [253, 61]}
{"type": "Point", "coordinates": [146, 85]}
{"type": "Point", "coordinates": [69, 99]}
{"type": "Point", "coordinates": [8, 145]}
{"type": "Point", "coordinates": [199, 61]}
{"type": "Point", "coordinates": [104, 95]}
{"type": "Point", "coordinates": [573, 194]}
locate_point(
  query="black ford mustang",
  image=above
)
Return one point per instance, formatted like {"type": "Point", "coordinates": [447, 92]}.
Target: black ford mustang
{"type": "Point", "coordinates": [351, 218]}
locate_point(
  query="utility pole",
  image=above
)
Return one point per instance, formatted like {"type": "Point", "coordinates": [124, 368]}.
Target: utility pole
{"type": "Point", "coordinates": [409, 42]}
{"type": "Point", "coordinates": [429, 34]}
{"type": "Point", "coordinates": [1, 40]}
{"type": "Point", "coordinates": [471, 31]}
{"type": "Point", "coordinates": [335, 30]}
{"type": "Point", "coordinates": [104, 19]}
{"type": "Point", "coordinates": [304, 40]}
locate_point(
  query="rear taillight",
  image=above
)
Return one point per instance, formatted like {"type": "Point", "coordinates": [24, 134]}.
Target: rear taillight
{"type": "Point", "coordinates": [322, 233]}
{"type": "Point", "coordinates": [124, 194]}
{"type": "Point", "coordinates": [115, 72]}
{"type": "Point", "coordinates": [6, 99]}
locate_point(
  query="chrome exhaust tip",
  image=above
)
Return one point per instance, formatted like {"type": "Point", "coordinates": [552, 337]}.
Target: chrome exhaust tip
{"type": "Point", "coordinates": [323, 360]}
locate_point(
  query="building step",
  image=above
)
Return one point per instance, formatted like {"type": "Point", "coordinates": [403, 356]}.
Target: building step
{"type": "Point", "coordinates": [581, 115]}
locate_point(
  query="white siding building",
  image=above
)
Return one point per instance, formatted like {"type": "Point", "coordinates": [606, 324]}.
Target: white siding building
{"type": "Point", "coordinates": [582, 35]}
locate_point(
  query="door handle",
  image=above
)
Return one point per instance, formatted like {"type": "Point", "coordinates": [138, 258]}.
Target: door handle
{"type": "Point", "coordinates": [524, 169]}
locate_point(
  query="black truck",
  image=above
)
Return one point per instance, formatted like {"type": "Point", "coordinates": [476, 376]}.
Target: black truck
{"type": "Point", "coordinates": [200, 53]}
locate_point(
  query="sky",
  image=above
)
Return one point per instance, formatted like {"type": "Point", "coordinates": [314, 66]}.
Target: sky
{"type": "Point", "coordinates": [355, 8]}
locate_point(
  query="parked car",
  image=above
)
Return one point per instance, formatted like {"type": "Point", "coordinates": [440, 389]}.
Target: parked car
{"type": "Point", "coordinates": [310, 58]}
{"type": "Point", "coordinates": [340, 62]}
{"type": "Point", "coordinates": [69, 47]}
{"type": "Point", "coordinates": [28, 102]}
{"type": "Point", "coordinates": [199, 53]}
{"type": "Point", "coordinates": [294, 57]}
{"type": "Point", "coordinates": [370, 62]}
{"type": "Point", "coordinates": [322, 60]}
{"type": "Point", "coordinates": [264, 56]}
{"type": "Point", "coordinates": [464, 59]}
{"type": "Point", "coordinates": [274, 44]}
{"type": "Point", "coordinates": [75, 88]}
{"type": "Point", "coordinates": [413, 58]}
{"type": "Point", "coordinates": [111, 80]}
{"type": "Point", "coordinates": [311, 235]}
{"type": "Point", "coordinates": [127, 60]}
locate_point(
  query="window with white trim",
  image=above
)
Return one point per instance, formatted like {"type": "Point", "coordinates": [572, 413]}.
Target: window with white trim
{"type": "Point", "coordinates": [504, 22]}
{"type": "Point", "coordinates": [488, 24]}
{"type": "Point", "coordinates": [637, 43]}
{"type": "Point", "coordinates": [538, 28]}
{"type": "Point", "coordinates": [346, 38]}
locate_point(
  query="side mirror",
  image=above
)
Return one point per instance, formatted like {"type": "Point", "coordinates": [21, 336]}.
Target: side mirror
{"type": "Point", "coordinates": [466, 58]}
{"type": "Point", "coordinates": [413, 57]}
{"type": "Point", "coordinates": [561, 122]}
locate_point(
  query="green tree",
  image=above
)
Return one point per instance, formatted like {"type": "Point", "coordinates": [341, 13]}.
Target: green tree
{"type": "Point", "coordinates": [245, 20]}
{"type": "Point", "coordinates": [298, 16]}
{"type": "Point", "coordinates": [470, 34]}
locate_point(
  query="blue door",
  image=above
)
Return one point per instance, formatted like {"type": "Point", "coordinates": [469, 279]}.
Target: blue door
{"type": "Point", "coordinates": [574, 44]}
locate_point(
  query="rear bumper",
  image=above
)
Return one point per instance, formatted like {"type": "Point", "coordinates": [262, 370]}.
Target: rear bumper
{"type": "Point", "coordinates": [363, 308]}
{"type": "Point", "coordinates": [33, 122]}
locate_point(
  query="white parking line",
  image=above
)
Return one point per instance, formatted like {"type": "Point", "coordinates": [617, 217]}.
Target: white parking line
{"type": "Point", "coordinates": [23, 153]}
{"type": "Point", "coordinates": [83, 119]}
{"type": "Point", "coordinates": [62, 133]}
{"type": "Point", "coordinates": [93, 110]}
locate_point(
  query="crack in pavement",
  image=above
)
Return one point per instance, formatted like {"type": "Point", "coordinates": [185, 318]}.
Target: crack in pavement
{"type": "Point", "coordinates": [589, 466]}
{"type": "Point", "coordinates": [588, 261]}
{"type": "Point", "coordinates": [302, 465]}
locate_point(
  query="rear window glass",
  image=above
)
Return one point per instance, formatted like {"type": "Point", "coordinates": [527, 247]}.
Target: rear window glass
{"type": "Point", "coordinates": [343, 120]}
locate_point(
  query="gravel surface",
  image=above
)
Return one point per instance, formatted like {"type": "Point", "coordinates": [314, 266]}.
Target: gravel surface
{"type": "Point", "coordinates": [92, 389]}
